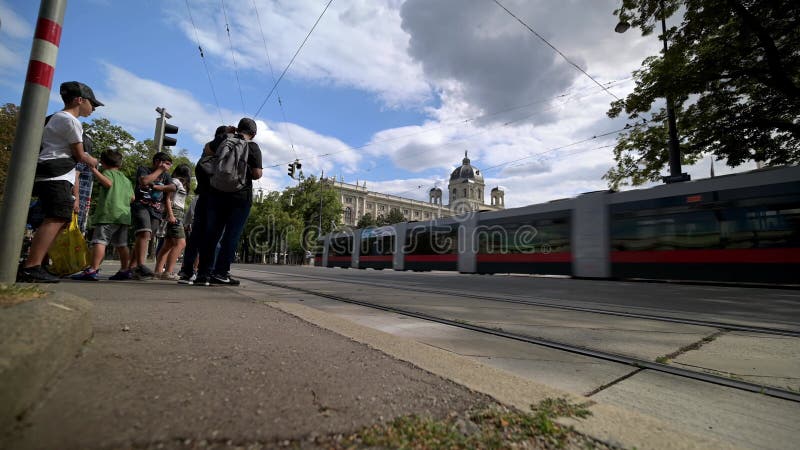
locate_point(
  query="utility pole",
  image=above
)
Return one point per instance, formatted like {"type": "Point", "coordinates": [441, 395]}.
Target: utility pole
{"type": "Point", "coordinates": [28, 137]}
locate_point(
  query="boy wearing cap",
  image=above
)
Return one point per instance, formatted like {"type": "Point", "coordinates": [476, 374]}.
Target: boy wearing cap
{"type": "Point", "coordinates": [56, 179]}
{"type": "Point", "coordinates": [147, 208]}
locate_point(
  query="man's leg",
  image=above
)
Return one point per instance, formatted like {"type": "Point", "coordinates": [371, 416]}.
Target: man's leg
{"type": "Point", "coordinates": [98, 252]}
{"type": "Point", "coordinates": [43, 239]}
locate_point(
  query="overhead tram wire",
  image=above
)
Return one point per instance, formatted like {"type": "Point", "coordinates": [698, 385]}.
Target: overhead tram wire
{"type": "Point", "coordinates": [274, 86]}
{"type": "Point", "coordinates": [323, 155]}
{"type": "Point", "coordinates": [233, 53]}
{"type": "Point", "coordinates": [203, 58]}
{"type": "Point", "coordinates": [554, 48]}
{"type": "Point", "coordinates": [272, 74]}
{"type": "Point", "coordinates": [464, 121]}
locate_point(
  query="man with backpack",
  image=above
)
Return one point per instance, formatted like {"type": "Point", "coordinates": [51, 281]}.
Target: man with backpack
{"type": "Point", "coordinates": [231, 169]}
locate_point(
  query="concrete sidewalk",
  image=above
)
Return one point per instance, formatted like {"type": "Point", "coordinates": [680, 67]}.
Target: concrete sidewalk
{"type": "Point", "coordinates": [211, 367]}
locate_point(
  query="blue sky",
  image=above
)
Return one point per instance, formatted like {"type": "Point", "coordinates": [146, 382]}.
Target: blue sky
{"type": "Point", "coordinates": [391, 92]}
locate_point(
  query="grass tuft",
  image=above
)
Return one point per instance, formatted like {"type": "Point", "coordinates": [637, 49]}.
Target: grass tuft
{"type": "Point", "coordinates": [490, 427]}
{"type": "Point", "coordinates": [13, 294]}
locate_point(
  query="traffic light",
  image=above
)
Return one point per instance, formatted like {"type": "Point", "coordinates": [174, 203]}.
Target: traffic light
{"type": "Point", "coordinates": [163, 129]}
{"type": "Point", "coordinates": [291, 170]}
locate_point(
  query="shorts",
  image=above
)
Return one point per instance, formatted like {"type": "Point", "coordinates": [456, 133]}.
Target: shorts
{"type": "Point", "coordinates": [111, 233]}
{"type": "Point", "coordinates": [175, 230]}
{"type": "Point", "coordinates": [56, 198]}
{"type": "Point", "coordinates": [144, 220]}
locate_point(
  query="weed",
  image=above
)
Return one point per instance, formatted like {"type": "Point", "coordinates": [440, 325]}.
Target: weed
{"type": "Point", "coordinates": [490, 427]}
{"type": "Point", "coordinates": [12, 294]}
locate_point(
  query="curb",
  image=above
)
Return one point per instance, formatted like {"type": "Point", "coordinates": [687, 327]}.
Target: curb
{"type": "Point", "coordinates": [38, 339]}
{"type": "Point", "coordinates": [610, 424]}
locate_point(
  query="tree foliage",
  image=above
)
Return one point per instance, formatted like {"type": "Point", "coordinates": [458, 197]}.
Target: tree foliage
{"type": "Point", "coordinates": [366, 221]}
{"type": "Point", "coordinates": [394, 216]}
{"type": "Point", "coordinates": [733, 72]}
{"type": "Point", "coordinates": [289, 221]}
{"type": "Point", "coordinates": [8, 126]}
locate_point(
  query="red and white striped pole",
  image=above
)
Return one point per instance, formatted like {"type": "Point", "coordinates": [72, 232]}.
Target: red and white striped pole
{"type": "Point", "coordinates": [28, 138]}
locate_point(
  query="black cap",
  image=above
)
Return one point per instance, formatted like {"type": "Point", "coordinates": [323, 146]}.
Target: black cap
{"type": "Point", "coordinates": [72, 89]}
{"type": "Point", "coordinates": [247, 125]}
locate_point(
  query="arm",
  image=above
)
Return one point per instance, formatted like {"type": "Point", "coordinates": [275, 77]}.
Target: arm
{"type": "Point", "coordinates": [102, 179]}
{"type": "Point", "coordinates": [165, 188]}
{"type": "Point", "coordinates": [76, 192]}
{"type": "Point", "coordinates": [80, 156]}
{"type": "Point", "coordinates": [145, 180]}
{"type": "Point", "coordinates": [170, 214]}
{"type": "Point", "coordinates": [256, 173]}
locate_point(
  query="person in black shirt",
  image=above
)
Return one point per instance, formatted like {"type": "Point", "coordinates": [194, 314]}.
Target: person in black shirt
{"type": "Point", "coordinates": [227, 212]}
{"type": "Point", "coordinates": [146, 210]}
{"type": "Point", "coordinates": [198, 226]}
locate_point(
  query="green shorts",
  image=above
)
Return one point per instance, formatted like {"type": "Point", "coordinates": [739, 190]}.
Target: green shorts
{"type": "Point", "coordinates": [175, 230]}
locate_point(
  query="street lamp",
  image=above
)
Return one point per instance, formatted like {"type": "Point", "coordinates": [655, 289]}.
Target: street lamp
{"type": "Point", "coordinates": [675, 174]}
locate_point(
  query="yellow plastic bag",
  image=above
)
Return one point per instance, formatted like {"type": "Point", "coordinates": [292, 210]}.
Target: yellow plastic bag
{"type": "Point", "coordinates": [69, 252]}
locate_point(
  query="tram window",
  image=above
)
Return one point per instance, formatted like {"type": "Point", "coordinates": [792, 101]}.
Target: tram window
{"type": "Point", "coordinates": [377, 246]}
{"type": "Point", "coordinates": [525, 235]}
{"type": "Point", "coordinates": [439, 240]}
{"type": "Point", "coordinates": [341, 246]}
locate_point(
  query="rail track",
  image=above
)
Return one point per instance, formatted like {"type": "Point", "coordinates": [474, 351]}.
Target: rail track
{"type": "Point", "coordinates": [726, 326]}
{"type": "Point", "coordinates": [638, 363]}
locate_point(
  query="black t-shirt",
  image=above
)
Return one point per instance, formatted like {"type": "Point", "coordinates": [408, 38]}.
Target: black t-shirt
{"type": "Point", "coordinates": [146, 196]}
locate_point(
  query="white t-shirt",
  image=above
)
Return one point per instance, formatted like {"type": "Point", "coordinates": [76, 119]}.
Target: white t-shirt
{"type": "Point", "coordinates": [62, 130]}
{"type": "Point", "coordinates": [179, 196]}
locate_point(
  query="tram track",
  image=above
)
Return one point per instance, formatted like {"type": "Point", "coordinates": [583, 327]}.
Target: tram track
{"type": "Point", "coordinates": [638, 363]}
{"type": "Point", "coordinates": [726, 326]}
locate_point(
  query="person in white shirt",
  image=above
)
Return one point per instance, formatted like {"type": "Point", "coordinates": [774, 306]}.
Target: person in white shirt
{"type": "Point", "coordinates": [56, 179]}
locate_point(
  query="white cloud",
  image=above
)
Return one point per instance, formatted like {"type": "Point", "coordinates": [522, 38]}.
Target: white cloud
{"type": "Point", "coordinates": [357, 44]}
{"type": "Point", "coordinates": [13, 25]}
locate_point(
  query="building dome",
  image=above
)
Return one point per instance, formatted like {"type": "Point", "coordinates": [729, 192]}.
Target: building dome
{"type": "Point", "coordinates": [497, 189]}
{"type": "Point", "coordinates": [435, 190]}
{"type": "Point", "coordinates": [466, 171]}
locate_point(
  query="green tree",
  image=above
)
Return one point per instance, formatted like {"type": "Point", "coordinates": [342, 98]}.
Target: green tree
{"type": "Point", "coordinates": [290, 219]}
{"type": "Point", "coordinates": [366, 221]}
{"type": "Point", "coordinates": [733, 72]}
{"type": "Point", "coordinates": [394, 216]}
{"type": "Point", "coordinates": [8, 129]}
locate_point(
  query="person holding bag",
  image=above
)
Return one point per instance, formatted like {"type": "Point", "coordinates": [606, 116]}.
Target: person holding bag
{"type": "Point", "coordinates": [56, 178]}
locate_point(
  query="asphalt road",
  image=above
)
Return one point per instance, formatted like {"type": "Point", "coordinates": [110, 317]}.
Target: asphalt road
{"type": "Point", "coordinates": [745, 305]}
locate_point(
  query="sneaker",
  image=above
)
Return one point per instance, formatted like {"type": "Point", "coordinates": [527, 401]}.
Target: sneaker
{"type": "Point", "coordinates": [170, 276]}
{"type": "Point", "coordinates": [87, 275]}
{"type": "Point", "coordinates": [35, 274]}
{"type": "Point", "coordinates": [200, 281]}
{"type": "Point", "coordinates": [121, 275]}
{"type": "Point", "coordinates": [142, 273]}
{"type": "Point", "coordinates": [185, 279]}
{"type": "Point", "coordinates": [223, 279]}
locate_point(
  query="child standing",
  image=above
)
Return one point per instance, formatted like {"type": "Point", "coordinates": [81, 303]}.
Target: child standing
{"type": "Point", "coordinates": [175, 234]}
{"type": "Point", "coordinates": [55, 182]}
{"type": "Point", "coordinates": [152, 183]}
{"type": "Point", "coordinates": [111, 217]}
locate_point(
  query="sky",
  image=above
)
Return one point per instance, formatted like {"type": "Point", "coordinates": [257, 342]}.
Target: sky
{"type": "Point", "coordinates": [387, 92]}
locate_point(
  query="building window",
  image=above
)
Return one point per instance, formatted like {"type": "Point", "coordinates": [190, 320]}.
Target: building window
{"type": "Point", "coordinates": [381, 207]}
{"type": "Point", "coordinates": [427, 215]}
{"type": "Point", "coordinates": [348, 199]}
{"type": "Point", "coordinates": [416, 213]}
{"type": "Point", "coordinates": [348, 215]}
{"type": "Point", "coordinates": [454, 192]}
{"type": "Point", "coordinates": [405, 213]}
{"type": "Point", "coordinates": [369, 205]}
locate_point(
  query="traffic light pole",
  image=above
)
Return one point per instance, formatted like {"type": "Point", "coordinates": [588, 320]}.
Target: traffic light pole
{"type": "Point", "coordinates": [158, 138]}
{"type": "Point", "coordinates": [28, 135]}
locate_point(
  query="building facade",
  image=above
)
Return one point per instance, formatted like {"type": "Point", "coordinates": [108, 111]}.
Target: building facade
{"type": "Point", "coordinates": [465, 190]}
